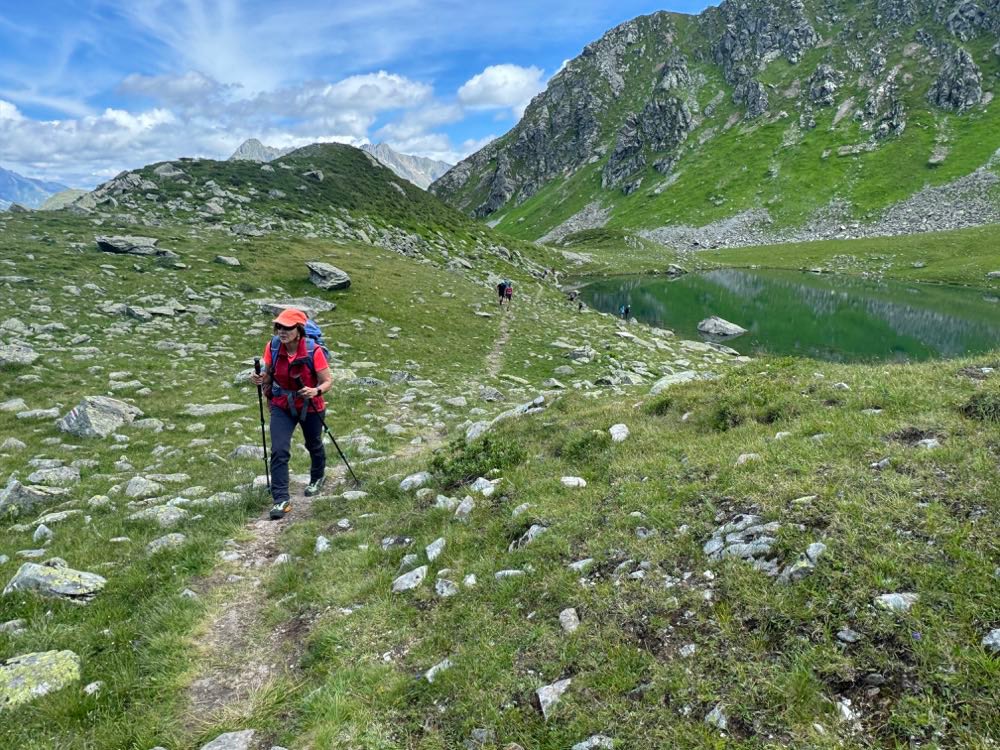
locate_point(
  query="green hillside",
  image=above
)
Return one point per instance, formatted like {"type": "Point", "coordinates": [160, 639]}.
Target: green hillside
{"type": "Point", "coordinates": [678, 143]}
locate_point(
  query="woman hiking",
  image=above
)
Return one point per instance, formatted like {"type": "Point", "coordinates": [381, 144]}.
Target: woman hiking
{"type": "Point", "coordinates": [298, 376]}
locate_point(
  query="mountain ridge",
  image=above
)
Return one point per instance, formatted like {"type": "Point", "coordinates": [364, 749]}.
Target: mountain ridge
{"type": "Point", "coordinates": [785, 109]}
{"type": "Point", "coordinates": [27, 191]}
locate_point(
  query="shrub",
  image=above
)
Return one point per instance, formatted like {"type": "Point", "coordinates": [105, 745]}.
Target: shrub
{"type": "Point", "coordinates": [984, 406]}
{"type": "Point", "coordinates": [462, 463]}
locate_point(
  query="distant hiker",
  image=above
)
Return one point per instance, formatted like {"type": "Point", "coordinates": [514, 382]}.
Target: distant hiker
{"type": "Point", "coordinates": [508, 293]}
{"type": "Point", "coordinates": [621, 310]}
{"type": "Point", "coordinates": [501, 289]}
{"type": "Point", "coordinates": [580, 308]}
{"type": "Point", "coordinates": [298, 373]}
{"type": "Point", "coordinates": [627, 312]}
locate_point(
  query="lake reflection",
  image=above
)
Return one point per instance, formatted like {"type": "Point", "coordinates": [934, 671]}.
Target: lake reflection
{"type": "Point", "coordinates": [829, 317]}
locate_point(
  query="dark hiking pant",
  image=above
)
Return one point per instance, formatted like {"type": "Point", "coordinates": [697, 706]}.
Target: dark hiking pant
{"type": "Point", "coordinates": [282, 427]}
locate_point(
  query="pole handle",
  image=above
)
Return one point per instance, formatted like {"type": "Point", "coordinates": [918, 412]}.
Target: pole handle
{"type": "Point", "coordinates": [256, 365]}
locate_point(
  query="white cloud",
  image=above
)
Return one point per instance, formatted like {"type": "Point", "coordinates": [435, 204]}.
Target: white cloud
{"type": "Point", "coordinates": [501, 87]}
{"type": "Point", "coordinates": [9, 112]}
{"type": "Point", "coordinates": [190, 90]}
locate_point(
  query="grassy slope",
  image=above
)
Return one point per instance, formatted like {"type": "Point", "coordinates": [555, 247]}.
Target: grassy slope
{"type": "Point", "coordinates": [136, 636]}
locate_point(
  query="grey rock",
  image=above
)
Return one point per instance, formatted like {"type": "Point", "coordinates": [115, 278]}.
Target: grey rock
{"type": "Point", "coordinates": [16, 354]}
{"type": "Point", "coordinates": [30, 676]}
{"type": "Point", "coordinates": [129, 245]}
{"type": "Point", "coordinates": [17, 498]}
{"type": "Point", "coordinates": [12, 444]}
{"type": "Point", "coordinates": [716, 326]}
{"type": "Point", "coordinates": [64, 583]}
{"type": "Point", "coordinates": [410, 581]}
{"type": "Point", "coordinates": [415, 481]}
{"type": "Point", "coordinates": [717, 717]}
{"type": "Point", "coordinates": [226, 260]}
{"type": "Point", "coordinates": [322, 545]}
{"type": "Point", "coordinates": [674, 379]}
{"type": "Point", "coordinates": [445, 588]}
{"type": "Point", "coordinates": [959, 84]}
{"type": "Point", "coordinates": [848, 636]}
{"type": "Point", "coordinates": [164, 516]}
{"type": "Point", "coordinates": [991, 641]}
{"type": "Point", "coordinates": [169, 541]}
{"type": "Point", "coordinates": [900, 602]}
{"type": "Point", "coordinates": [61, 476]}
{"type": "Point", "coordinates": [98, 416]}
{"type": "Point", "coordinates": [619, 433]}
{"type": "Point", "coordinates": [528, 537]}
{"type": "Point", "coordinates": [595, 742]}
{"type": "Point", "coordinates": [550, 695]}
{"type": "Point", "coordinates": [432, 674]}
{"type": "Point", "coordinates": [140, 487]}
{"type": "Point", "coordinates": [232, 741]}
{"type": "Point", "coordinates": [327, 277]}
{"type": "Point", "coordinates": [569, 620]}
{"type": "Point", "coordinates": [435, 548]}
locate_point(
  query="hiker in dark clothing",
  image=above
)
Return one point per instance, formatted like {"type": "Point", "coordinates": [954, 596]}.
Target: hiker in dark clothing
{"type": "Point", "coordinates": [501, 288]}
{"type": "Point", "coordinates": [627, 312]}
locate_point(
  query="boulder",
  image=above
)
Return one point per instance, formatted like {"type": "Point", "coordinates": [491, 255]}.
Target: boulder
{"type": "Point", "coordinates": [64, 583]}
{"type": "Point", "coordinates": [17, 498]}
{"type": "Point", "coordinates": [227, 260]}
{"type": "Point", "coordinates": [15, 354]}
{"type": "Point", "coordinates": [716, 326]}
{"type": "Point", "coordinates": [170, 541]}
{"type": "Point", "coordinates": [29, 676]}
{"type": "Point", "coordinates": [165, 516]}
{"type": "Point", "coordinates": [550, 695]}
{"type": "Point", "coordinates": [98, 416]}
{"type": "Point", "coordinates": [326, 276]}
{"type": "Point", "coordinates": [410, 581]}
{"type": "Point", "coordinates": [128, 245]}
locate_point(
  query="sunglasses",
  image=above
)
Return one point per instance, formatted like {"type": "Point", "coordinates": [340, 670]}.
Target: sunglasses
{"type": "Point", "coordinates": [279, 327]}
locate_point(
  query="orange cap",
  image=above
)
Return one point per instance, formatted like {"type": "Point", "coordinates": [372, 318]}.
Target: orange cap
{"type": "Point", "coordinates": [291, 317]}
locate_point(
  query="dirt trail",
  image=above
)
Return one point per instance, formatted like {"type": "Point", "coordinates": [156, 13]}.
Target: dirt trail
{"type": "Point", "coordinates": [495, 361]}
{"type": "Point", "coordinates": [237, 655]}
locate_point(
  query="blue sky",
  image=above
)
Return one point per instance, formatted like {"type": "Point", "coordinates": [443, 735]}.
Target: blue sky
{"type": "Point", "coordinates": [91, 87]}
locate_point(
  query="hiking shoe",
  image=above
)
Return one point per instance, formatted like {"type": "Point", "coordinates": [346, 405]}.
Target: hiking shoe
{"type": "Point", "coordinates": [280, 510]}
{"type": "Point", "coordinates": [315, 488]}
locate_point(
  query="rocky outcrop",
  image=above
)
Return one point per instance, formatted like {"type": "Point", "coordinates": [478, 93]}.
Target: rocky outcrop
{"type": "Point", "coordinates": [824, 84]}
{"type": "Point", "coordinates": [959, 85]}
{"type": "Point", "coordinates": [965, 20]}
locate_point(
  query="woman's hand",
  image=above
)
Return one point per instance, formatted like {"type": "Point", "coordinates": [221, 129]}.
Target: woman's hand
{"type": "Point", "coordinates": [258, 379]}
{"type": "Point", "coordinates": [308, 392]}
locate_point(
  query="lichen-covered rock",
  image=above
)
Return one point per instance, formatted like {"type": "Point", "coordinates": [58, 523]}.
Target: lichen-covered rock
{"type": "Point", "coordinates": [98, 416]}
{"type": "Point", "coordinates": [64, 583]}
{"type": "Point", "coordinates": [824, 84]}
{"type": "Point", "coordinates": [128, 245]}
{"type": "Point", "coordinates": [29, 676]}
{"type": "Point", "coordinates": [165, 516]}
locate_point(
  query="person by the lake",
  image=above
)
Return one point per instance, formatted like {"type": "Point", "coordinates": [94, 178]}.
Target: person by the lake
{"type": "Point", "coordinates": [298, 377]}
{"type": "Point", "coordinates": [627, 312]}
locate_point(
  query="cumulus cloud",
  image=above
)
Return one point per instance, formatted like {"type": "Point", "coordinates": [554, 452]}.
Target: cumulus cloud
{"type": "Point", "coordinates": [502, 87]}
{"type": "Point", "coordinates": [9, 112]}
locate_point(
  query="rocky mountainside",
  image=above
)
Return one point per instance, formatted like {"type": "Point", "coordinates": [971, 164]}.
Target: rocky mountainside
{"type": "Point", "coordinates": [419, 170]}
{"type": "Point", "coordinates": [28, 192]}
{"type": "Point", "coordinates": [253, 150]}
{"type": "Point", "coordinates": [780, 114]}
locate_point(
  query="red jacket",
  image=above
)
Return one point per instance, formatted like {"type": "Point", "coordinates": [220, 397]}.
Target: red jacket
{"type": "Point", "coordinates": [286, 380]}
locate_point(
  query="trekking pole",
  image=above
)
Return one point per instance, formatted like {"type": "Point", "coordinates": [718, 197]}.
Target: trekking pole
{"type": "Point", "coordinates": [263, 439]}
{"type": "Point", "coordinates": [322, 421]}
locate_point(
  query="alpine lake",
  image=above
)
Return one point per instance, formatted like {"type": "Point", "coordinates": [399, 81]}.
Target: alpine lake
{"type": "Point", "coordinates": [822, 316]}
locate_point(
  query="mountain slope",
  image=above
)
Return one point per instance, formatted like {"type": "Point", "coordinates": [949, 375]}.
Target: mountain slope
{"type": "Point", "coordinates": [15, 188]}
{"type": "Point", "coordinates": [253, 150]}
{"type": "Point", "coordinates": [782, 110]}
{"type": "Point", "coordinates": [419, 170]}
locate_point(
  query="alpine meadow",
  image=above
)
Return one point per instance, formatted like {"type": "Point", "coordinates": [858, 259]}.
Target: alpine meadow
{"type": "Point", "coordinates": [670, 418]}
